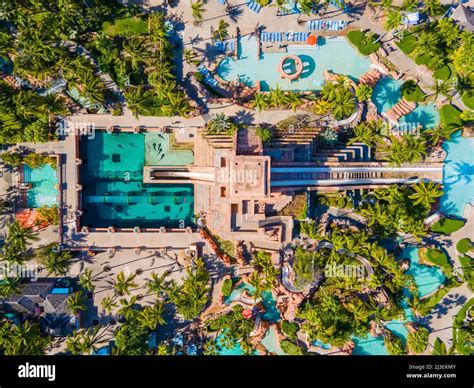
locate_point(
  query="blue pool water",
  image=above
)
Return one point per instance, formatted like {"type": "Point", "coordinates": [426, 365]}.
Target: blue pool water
{"type": "Point", "coordinates": [373, 346]}
{"type": "Point", "coordinates": [271, 312]}
{"type": "Point", "coordinates": [428, 279]}
{"type": "Point", "coordinates": [331, 54]}
{"type": "Point", "coordinates": [270, 341]}
{"type": "Point", "coordinates": [44, 181]}
{"type": "Point", "coordinates": [114, 193]}
{"type": "Point", "coordinates": [387, 93]}
{"type": "Point", "coordinates": [458, 175]}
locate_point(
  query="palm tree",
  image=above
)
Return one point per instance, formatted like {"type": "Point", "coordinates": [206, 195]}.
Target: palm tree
{"type": "Point", "coordinates": [198, 10]}
{"type": "Point", "coordinates": [122, 284]}
{"type": "Point", "coordinates": [364, 92]}
{"type": "Point", "coordinates": [75, 303]}
{"type": "Point", "coordinates": [441, 88]}
{"type": "Point", "coordinates": [426, 193]}
{"type": "Point", "coordinates": [108, 304]}
{"type": "Point", "coordinates": [392, 21]}
{"type": "Point", "coordinates": [151, 317]}
{"type": "Point", "coordinates": [136, 49]}
{"type": "Point", "coordinates": [433, 7]}
{"type": "Point", "coordinates": [280, 5]}
{"type": "Point", "coordinates": [413, 148]}
{"type": "Point", "coordinates": [158, 284]}
{"type": "Point", "coordinates": [55, 261]}
{"type": "Point", "coordinates": [18, 237]}
{"type": "Point", "coordinates": [127, 305]}
{"type": "Point", "coordinates": [222, 31]}
{"type": "Point", "coordinates": [464, 84]}
{"type": "Point", "coordinates": [260, 101]}
{"type": "Point", "coordinates": [277, 97]}
{"type": "Point", "coordinates": [322, 107]}
{"type": "Point", "coordinates": [221, 124]}
{"type": "Point", "coordinates": [409, 5]}
{"type": "Point", "coordinates": [343, 105]}
{"type": "Point", "coordinates": [306, 7]}
{"type": "Point", "coordinates": [190, 57]}
{"type": "Point", "coordinates": [85, 341]}
{"type": "Point", "coordinates": [9, 287]}
{"type": "Point", "coordinates": [426, 42]}
{"type": "Point", "coordinates": [86, 280]}
{"type": "Point", "coordinates": [438, 134]}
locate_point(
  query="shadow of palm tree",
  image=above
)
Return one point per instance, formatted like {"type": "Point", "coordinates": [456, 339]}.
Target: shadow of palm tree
{"type": "Point", "coordinates": [244, 117]}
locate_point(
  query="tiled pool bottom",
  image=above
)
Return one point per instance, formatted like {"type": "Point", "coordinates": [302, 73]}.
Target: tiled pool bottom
{"type": "Point", "coordinates": [113, 190]}
{"type": "Point", "coordinates": [387, 93]}
{"type": "Point", "coordinates": [331, 54]}
{"type": "Point", "coordinates": [158, 151]}
{"type": "Point", "coordinates": [44, 182]}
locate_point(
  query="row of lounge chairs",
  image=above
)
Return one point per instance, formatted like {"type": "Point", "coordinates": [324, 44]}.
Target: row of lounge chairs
{"type": "Point", "coordinates": [297, 36]}
{"type": "Point", "coordinates": [271, 36]}
{"type": "Point", "coordinates": [333, 25]}
{"type": "Point", "coordinates": [223, 46]}
{"type": "Point", "coordinates": [208, 77]}
{"type": "Point", "coordinates": [254, 6]}
{"type": "Point", "coordinates": [278, 36]}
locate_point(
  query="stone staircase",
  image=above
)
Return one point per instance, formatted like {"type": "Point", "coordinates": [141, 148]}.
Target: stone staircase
{"type": "Point", "coordinates": [402, 108]}
{"type": "Point", "coordinates": [343, 153]}
{"type": "Point", "coordinates": [370, 78]}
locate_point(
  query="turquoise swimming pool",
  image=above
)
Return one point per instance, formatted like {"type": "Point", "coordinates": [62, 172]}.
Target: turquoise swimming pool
{"type": "Point", "coordinates": [271, 312]}
{"type": "Point", "coordinates": [331, 54]}
{"type": "Point", "coordinates": [427, 279]}
{"type": "Point", "coordinates": [458, 175]}
{"type": "Point", "coordinates": [113, 190]}
{"type": "Point", "coordinates": [387, 93]}
{"type": "Point", "coordinates": [44, 182]}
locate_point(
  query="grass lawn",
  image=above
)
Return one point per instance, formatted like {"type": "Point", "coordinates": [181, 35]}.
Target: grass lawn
{"type": "Point", "coordinates": [407, 44]}
{"type": "Point", "coordinates": [447, 225]}
{"type": "Point", "coordinates": [449, 116]}
{"type": "Point", "coordinates": [412, 92]}
{"type": "Point", "coordinates": [435, 256]}
{"type": "Point", "coordinates": [135, 25]}
{"type": "Point", "coordinates": [468, 270]}
{"type": "Point", "coordinates": [464, 245]}
{"type": "Point", "coordinates": [468, 99]}
{"type": "Point", "coordinates": [364, 42]}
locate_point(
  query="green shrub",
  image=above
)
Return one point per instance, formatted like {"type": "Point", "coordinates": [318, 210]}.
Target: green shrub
{"type": "Point", "coordinates": [290, 329]}
{"type": "Point", "coordinates": [463, 245]}
{"type": "Point", "coordinates": [364, 42]}
{"type": "Point", "coordinates": [447, 225]}
{"type": "Point", "coordinates": [227, 287]}
{"type": "Point", "coordinates": [291, 348]}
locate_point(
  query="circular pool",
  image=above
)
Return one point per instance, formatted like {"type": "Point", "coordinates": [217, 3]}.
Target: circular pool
{"type": "Point", "coordinates": [290, 67]}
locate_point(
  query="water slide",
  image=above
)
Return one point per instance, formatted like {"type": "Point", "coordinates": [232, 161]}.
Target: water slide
{"type": "Point", "coordinates": [347, 171]}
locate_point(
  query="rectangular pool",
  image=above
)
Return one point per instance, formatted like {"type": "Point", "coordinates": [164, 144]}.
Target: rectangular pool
{"type": "Point", "coordinates": [113, 190]}
{"type": "Point", "coordinates": [44, 186]}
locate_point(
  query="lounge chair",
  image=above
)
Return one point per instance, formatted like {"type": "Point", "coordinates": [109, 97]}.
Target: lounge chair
{"type": "Point", "coordinates": [255, 7]}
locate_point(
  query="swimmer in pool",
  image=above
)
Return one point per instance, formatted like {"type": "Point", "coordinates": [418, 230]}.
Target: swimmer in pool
{"type": "Point", "coordinates": [154, 146]}
{"type": "Point", "coordinates": [161, 137]}
{"type": "Point", "coordinates": [120, 146]}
